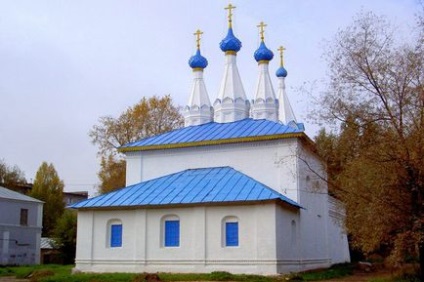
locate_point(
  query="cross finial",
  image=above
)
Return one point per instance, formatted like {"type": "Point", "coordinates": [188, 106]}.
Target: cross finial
{"type": "Point", "coordinates": [281, 50]}
{"type": "Point", "coordinates": [198, 34]}
{"type": "Point", "coordinates": [230, 8]}
{"type": "Point", "coordinates": [261, 26]}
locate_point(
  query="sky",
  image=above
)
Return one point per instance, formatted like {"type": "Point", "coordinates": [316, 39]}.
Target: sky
{"type": "Point", "coordinates": [64, 64]}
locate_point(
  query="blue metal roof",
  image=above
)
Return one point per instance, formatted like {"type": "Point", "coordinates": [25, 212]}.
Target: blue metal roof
{"type": "Point", "coordinates": [230, 42]}
{"type": "Point", "coordinates": [191, 186]}
{"type": "Point", "coordinates": [213, 131]}
{"type": "Point", "coordinates": [198, 61]}
{"type": "Point", "coordinates": [281, 72]}
{"type": "Point", "coordinates": [263, 53]}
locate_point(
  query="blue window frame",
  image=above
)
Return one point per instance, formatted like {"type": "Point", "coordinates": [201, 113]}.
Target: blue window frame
{"type": "Point", "coordinates": [172, 233]}
{"type": "Point", "coordinates": [231, 234]}
{"type": "Point", "coordinates": [116, 235]}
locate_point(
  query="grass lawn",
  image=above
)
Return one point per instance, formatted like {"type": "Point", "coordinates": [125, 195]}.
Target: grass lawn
{"type": "Point", "coordinates": [60, 273]}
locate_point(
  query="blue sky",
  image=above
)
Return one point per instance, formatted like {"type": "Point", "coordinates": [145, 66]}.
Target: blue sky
{"type": "Point", "coordinates": [63, 64]}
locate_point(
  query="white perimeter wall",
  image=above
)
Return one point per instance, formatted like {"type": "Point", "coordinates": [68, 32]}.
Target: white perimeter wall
{"type": "Point", "coordinates": [201, 241]}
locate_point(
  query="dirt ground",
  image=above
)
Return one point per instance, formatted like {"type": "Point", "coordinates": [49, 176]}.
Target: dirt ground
{"type": "Point", "coordinates": [12, 279]}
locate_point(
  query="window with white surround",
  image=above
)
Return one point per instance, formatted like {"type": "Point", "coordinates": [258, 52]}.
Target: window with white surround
{"type": "Point", "coordinates": [230, 231]}
{"type": "Point", "coordinates": [171, 231]}
{"type": "Point", "coordinates": [115, 230]}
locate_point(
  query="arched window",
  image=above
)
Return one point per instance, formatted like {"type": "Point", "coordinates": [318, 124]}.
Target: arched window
{"type": "Point", "coordinates": [171, 231]}
{"type": "Point", "coordinates": [114, 233]}
{"type": "Point", "coordinates": [230, 231]}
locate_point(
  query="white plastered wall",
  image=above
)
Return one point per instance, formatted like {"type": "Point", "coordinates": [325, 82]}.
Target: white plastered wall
{"type": "Point", "coordinates": [201, 244]}
{"type": "Point", "coordinates": [271, 162]}
{"type": "Point", "coordinates": [286, 165]}
{"type": "Point", "coordinates": [338, 243]}
{"type": "Point", "coordinates": [322, 242]}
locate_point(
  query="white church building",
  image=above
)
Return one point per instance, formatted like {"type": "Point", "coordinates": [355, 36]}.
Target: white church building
{"type": "Point", "coordinates": [237, 189]}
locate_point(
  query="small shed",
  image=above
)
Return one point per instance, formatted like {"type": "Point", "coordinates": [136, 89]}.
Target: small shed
{"type": "Point", "coordinates": [49, 252]}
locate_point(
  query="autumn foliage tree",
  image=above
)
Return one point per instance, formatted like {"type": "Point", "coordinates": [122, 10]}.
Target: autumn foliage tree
{"type": "Point", "coordinates": [112, 173]}
{"type": "Point", "coordinates": [10, 176]}
{"type": "Point", "coordinates": [149, 117]}
{"type": "Point", "coordinates": [48, 187]}
{"type": "Point", "coordinates": [376, 156]}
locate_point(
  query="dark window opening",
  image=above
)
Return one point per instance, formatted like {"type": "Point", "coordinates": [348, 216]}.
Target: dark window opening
{"type": "Point", "coordinates": [24, 217]}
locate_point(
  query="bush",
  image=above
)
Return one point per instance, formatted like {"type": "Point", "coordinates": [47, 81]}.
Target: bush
{"type": "Point", "coordinates": [147, 277]}
{"type": "Point", "coordinates": [6, 271]}
{"type": "Point", "coordinates": [408, 278]}
{"type": "Point", "coordinates": [337, 270]}
{"type": "Point", "coordinates": [221, 276]}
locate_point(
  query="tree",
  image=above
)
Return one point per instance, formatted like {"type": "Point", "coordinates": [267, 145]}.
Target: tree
{"type": "Point", "coordinates": [148, 117]}
{"type": "Point", "coordinates": [11, 176]}
{"type": "Point", "coordinates": [49, 188]}
{"type": "Point", "coordinates": [376, 158]}
{"type": "Point", "coordinates": [111, 174]}
{"type": "Point", "coordinates": [65, 236]}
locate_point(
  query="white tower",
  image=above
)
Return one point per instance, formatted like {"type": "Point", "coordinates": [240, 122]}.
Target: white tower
{"type": "Point", "coordinates": [231, 104]}
{"type": "Point", "coordinates": [265, 105]}
{"type": "Point", "coordinates": [285, 111]}
{"type": "Point", "coordinates": [198, 110]}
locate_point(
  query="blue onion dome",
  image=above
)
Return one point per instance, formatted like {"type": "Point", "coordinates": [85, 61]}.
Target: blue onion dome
{"type": "Point", "coordinates": [198, 61]}
{"type": "Point", "coordinates": [263, 53]}
{"type": "Point", "coordinates": [281, 72]}
{"type": "Point", "coordinates": [230, 42]}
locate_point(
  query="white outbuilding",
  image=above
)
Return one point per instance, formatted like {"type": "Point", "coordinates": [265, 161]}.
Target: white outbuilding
{"type": "Point", "coordinates": [21, 221]}
{"type": "Point", "coordinates": [238, 189]}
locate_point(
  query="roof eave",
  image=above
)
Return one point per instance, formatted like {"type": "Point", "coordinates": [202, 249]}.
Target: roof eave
{"type": "Point", "coordinates": [213, 142]}
{"type": "Point", "coordinates": [186, 205]}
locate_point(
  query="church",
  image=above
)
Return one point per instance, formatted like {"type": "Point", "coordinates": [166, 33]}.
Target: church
{"type": "Point", "coordinates": [239, 188]}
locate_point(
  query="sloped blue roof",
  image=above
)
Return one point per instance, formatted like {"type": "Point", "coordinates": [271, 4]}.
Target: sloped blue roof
{"type": "Point", "coordinates": [213, 131]}
{"type": "Point", "coordinates": [191, 186]}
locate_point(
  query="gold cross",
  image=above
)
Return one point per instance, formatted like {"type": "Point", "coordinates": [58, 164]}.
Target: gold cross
{"type": "Point", "coordinates": [230, 7]}
{"type": "Point", "coordinates": [281, 49]}
{"type": "Point", "coordinates": [198, 33]}
{"type": "Point", "coordinates": [261, 26]}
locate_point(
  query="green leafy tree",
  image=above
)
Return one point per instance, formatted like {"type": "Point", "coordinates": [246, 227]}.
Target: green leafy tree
{"type": "Point", "coordinates": [148, 117]}
{"type": "Point", "coordinates": [48, 187]}
{"type": "Point", "coordinates": [376, 158]}
{"type": "Point", "coordinates": [65, 236]}
{"type": "Point", "coordinates": [11, 176]}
